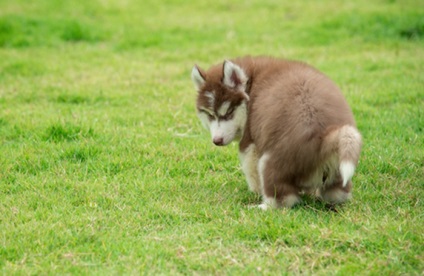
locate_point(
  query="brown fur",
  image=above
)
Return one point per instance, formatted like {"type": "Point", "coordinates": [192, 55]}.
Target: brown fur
{"type": "Point", "coordinates": [296, 114]}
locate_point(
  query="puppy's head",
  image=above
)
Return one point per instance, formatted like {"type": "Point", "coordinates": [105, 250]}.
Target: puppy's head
{"type": "Point", "coordinates": [222, 100]}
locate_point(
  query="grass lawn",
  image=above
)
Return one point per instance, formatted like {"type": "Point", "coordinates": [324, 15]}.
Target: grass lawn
{"type": "Point", "coordinates": [105, 169]}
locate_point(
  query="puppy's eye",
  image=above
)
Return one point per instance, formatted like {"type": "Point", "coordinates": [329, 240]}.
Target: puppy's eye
{"type": "Point", "coordinates": [211, 116]}
{"type": "Point", "coordinates": [229, 114]}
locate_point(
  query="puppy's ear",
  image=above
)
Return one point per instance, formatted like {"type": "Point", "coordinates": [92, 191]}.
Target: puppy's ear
{"type": "Point", "coordinates": [198, 77]}
{"type": "Point", "coordinates": [234, 77]}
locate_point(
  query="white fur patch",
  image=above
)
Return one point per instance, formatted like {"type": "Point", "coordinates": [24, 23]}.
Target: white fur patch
{"type": "Point", "coordinates": [249, 164]}
{"type": "Point", "coordinates": [261, 167]}
{"type": "Point", "coordinates": [266, 201]}
{"type": "Point", "coordinates": [211, 98]}
{"type": "Point", "coordinates": [347, 169]}
{"type": "Point", "coordinates": [216, 129]}
{"type": "Point", "coordinates": [223, 109]}
{"type": "Point", "coordinates": [204, 119]}
{"type": "Point", "coordinates": [240, 117]}
{"type": "Point", "coordinates": [228, 130]}
{"type": "Point", "coordinates": [223, 129]}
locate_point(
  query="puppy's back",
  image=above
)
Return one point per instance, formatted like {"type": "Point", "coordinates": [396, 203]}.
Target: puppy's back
{"type": "Point", "coordinates": [293, 108]}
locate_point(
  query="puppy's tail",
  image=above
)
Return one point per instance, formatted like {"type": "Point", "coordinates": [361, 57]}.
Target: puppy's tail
{"type": "Point", "coordinates": [346, 143]}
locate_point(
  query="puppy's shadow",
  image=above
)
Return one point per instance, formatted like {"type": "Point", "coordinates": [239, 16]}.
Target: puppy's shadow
{"type": "Point", "coordinates": [316, 204]}
{"type": "Point", "coordinates": [308, 202]}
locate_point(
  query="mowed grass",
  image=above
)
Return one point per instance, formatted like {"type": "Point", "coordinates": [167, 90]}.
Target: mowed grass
{"type": "Point", "coordinates": [105, 169]}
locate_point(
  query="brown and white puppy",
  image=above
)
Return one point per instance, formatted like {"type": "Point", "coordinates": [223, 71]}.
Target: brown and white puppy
{"type": "Point", "coordinates": [296, 131]}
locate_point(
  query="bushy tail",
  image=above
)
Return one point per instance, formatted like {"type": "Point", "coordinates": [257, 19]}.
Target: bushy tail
{"type": "Point", "coordinates": [346, 142]}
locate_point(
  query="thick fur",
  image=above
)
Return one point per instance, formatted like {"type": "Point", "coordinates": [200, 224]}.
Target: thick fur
{"type": "Point", "coordinates": [296, 130]}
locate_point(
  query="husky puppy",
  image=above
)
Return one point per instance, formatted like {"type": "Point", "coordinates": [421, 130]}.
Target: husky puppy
{"type": "Point", "coordinates": [296, 131]}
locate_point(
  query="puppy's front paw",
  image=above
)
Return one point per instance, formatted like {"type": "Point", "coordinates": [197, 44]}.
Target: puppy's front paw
{"type": "Point", "coordinates": [263, 206]}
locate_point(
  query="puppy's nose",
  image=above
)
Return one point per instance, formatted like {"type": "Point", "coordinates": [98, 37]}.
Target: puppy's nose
{"type": "Point", "coordinates": [219, 141]}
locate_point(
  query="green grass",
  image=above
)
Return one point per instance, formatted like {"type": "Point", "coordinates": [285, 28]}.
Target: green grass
{"type": "Point", "coordinates": [105, 169]}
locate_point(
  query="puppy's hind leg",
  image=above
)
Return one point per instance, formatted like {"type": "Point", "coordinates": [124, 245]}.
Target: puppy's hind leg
{"type": "Point", "coordinates": [275, 193]}
{"type": "Point", "coordinates": [336, 192]}
{"type": "Point", "coordinates": [346, 144]}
